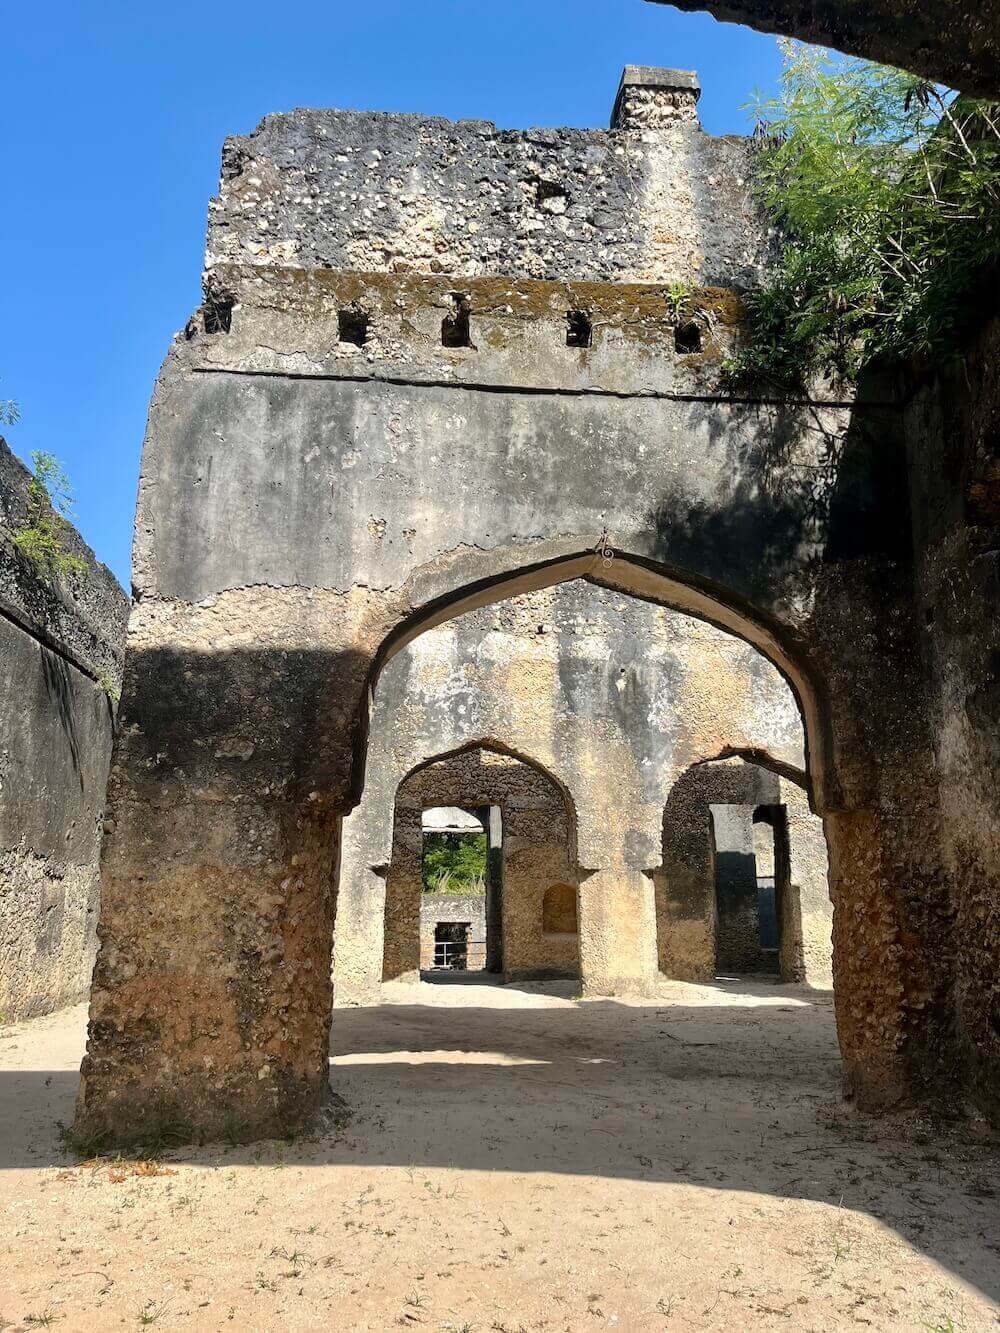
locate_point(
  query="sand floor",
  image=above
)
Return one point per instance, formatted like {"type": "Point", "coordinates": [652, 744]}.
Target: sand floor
{"type": "Point", "coordinates": [516, 1159]}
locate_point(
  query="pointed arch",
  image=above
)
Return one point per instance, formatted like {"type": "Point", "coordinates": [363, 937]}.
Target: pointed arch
{"type": "Point", "coordinates": [513, 572]}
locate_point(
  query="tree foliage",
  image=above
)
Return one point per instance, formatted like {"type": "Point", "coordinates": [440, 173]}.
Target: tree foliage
{"type": "Point", "coordinates": [40, 537]}
{"type": "Point", "coordinates": [885, 194]}
{"type": "Point", "coordinates": [454, 863]}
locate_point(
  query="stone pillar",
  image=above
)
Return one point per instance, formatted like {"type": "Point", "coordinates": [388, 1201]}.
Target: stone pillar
{"type": "Point", "coordinates": [618, 933]}
{"type": "Point", "coordinates": [211, 1001]}
{"type": "Point", "coordinates": [398, 905]}
{"type": "Point", "coordinates": [359, 941]}
{"type": "Point", "coordinates": [737, 921]}
{"type": "Point", "coordinates": [891, 959]}
{"type": "Point", "coordinates": [807, 918]}
{"type": "Point", "coordinates": [493, 822]}
{"type": "Point", "coordinates": [650, 98]}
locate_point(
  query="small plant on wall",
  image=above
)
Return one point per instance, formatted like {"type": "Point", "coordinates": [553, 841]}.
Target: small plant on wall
{"type": "Point", "coordinates": [9, 413]}
{"type": "Point", "coordinates": [40, 538]}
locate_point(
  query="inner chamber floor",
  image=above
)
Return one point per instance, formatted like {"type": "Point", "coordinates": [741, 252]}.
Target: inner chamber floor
{"type": "Point", "coordinates": [515, 1158]}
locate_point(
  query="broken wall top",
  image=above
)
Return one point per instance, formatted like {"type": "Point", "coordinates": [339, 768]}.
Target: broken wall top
{"type": "Point", "coordinates": [82, 615]}
{"type": "Point", "coordinates": [653, 199]}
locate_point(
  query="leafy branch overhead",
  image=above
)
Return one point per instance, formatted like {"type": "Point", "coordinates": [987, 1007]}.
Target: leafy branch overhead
{"type": "Point", "coordinates": [41, 537]}
{"type": "Point", "coordinates": [885, 195]}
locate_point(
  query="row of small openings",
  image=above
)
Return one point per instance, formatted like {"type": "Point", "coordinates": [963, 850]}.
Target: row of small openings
{"type": "Point", "coordinates": [580, 332]}
{"type": "Point", "coordinates": [352, 327]}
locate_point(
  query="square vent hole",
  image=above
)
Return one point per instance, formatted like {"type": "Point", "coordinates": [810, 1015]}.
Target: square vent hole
{"type": "Point", "coordinates": [455, 328]}
{"type": "Point", "coordinates": [352, 327]}
{"type": "Point", "coordinates": [579, 329]}
{"type": "Point", "coordinates": [218, 313]}
{"type": "Point", "coordinates": [687, 337]}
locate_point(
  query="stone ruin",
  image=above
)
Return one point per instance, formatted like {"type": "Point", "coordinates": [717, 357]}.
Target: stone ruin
{"type": "Point", "coordinates": [442, 368]}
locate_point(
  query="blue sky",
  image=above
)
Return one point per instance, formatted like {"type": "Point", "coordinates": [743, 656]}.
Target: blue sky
{"type": "Point", "coordinates": [113, 118]}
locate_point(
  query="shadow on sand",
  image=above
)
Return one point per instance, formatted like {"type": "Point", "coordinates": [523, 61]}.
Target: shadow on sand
{"type": "Point", "coordinates": [739, 1095]}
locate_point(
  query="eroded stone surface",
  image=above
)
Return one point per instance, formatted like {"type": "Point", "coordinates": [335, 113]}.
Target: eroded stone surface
{"type": "Point", "coordinates": [954, 42]}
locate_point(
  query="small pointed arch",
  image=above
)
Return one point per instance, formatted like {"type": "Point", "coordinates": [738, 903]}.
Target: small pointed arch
{"type": "Point", "coordinates": [529, 821]}
{"type": "Point", "coordinates": [492, 746]}
{"type": "Point", "coordinates": [709, 889]}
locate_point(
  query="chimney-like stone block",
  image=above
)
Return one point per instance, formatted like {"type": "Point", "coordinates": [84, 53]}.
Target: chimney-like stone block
{"type": "Point", "coordinates": [654, 99]}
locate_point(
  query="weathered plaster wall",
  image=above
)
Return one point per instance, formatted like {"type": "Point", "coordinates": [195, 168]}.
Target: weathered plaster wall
{"type": "Point", "coordinates": [617, 698]}
{"type": "Point", "coordinates": [953, 436]}
{"type": "Point", "coordinates": [61, 643]}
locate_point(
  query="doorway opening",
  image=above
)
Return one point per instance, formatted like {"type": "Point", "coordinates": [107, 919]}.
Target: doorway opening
{"type": "Point", "coordinates": [452, 945]}
{"type": "Point", "coordinates": [482, 876]}
{"type": "Point", "coordinates": [458, 880]}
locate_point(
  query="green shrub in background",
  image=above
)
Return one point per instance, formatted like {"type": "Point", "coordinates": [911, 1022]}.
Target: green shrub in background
{"type": "Point", "coordinates": [885, 193]}
{"type": "Point", "coordinates": [454, 863]}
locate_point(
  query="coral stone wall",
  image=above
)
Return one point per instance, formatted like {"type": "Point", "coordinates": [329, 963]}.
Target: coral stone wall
{"type": "Point", "coordinates": [953, 434]}
{"type": "Point", "coordinates": [61, 644]}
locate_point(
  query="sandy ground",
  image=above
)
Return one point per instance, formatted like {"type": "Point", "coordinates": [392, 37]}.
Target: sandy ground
{"type": "Point", "coordinates": [516, 1159]}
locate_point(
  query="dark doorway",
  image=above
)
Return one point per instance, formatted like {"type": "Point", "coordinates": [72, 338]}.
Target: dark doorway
{"type": "Point", "coordinates": [750, 849]}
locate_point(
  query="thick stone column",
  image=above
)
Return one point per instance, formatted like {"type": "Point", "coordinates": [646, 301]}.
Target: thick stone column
{"type": "Point", "coordinates": [891, 963]}
{"type": "Point", "coordinates": [390, 934]}
{"type": "Point", "coordinates": [359, 942]}
{"type": "Point", "coordinates": [493, 820]}
{"type": "Point", "coordinates": [737, 923]}
{"type": "Point", "coordinates": [618, 933]}
{"type": "Point", "coordinates": [211, 1000]}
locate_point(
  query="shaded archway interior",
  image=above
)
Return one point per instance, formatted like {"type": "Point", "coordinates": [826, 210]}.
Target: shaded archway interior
{"type": "Point", "coordinates": [638, 578]}
{"type": "Point", "coordinates": [498, 927]}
